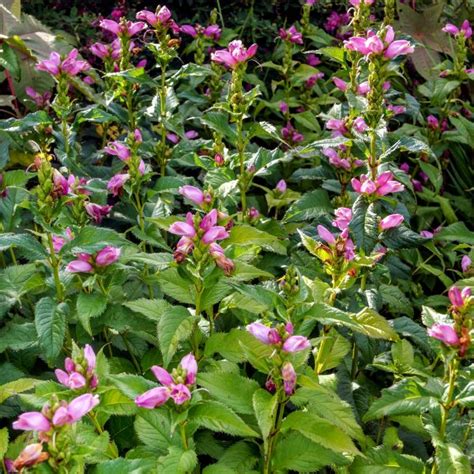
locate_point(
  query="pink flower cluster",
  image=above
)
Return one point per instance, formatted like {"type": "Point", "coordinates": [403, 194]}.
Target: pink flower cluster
{"type": "Point", "coordinates": [59, 241]}
{"type": "Point", "coordinates": [211, 32]}
{"type": "Point", "coordinates": [79, 373]}
{"type": "Point", "coordinates": [291, 35]}
{"type": "Point", "coordinates": [383, 185]}
{"type": "Point", "coordinates": [362, 88]}
{"type": "Point", "coordinates": [68, 186]}
{"type": "Point", "coordinates": [64, 414]}
{"type": "Point", "coordinates": [459, 298]}
{"type": "Point", "coordinates": [336, 20]}
{"type": "Point", "coordinates": [338, 162]}
{"type": "Point", "coordinates": [31, 455]}
{"type": "Point", "coordinates": [41, 100]}
{"type": "Point", "coordinates": [204, 232]}
{"type": "Point", "coordinates": [465, 29]}
{"type": "Point", "coordinates": [342, 244]}
{"type": "Point", "coordinates": [125, 28]}
{"type": "Point", "coordinates": [175, 385]}
{"type": "Point", "coordinates": [69, 66]}
{"type": "Point", "coordinates": [343, 218]}
{"type": "Point", "coordinates": [159, 20]}
{"type": "Point", "coordinates": [373, 44]}
{"type": "Point", "coordinates": [339, 127]}
{"type": "Point", "coordinates": [106, 51]}
{"type": "Point", "coordinates": [291, 135]}
{"type": "Point", "coordinates": [97, 211]}
{"type": "Point", "coordinates": [235, 54]}
{"type": "Point", "coordinates": [87, 263]}
{"type": "Point", "coordinates": [282, 337]}
{"type": "Point", "coordinates": [195, 195]}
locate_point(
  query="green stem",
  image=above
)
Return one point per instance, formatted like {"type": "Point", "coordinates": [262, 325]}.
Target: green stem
{"type": "Point", "coordinates": [270, 442]}
{"type": "Point", "coordinates": [162, 147]}
{"type": "Point", "coordinates": [184, 439]}
{"type": "Point", "coordinates": [373, 158]}
{"type": "Point", "coordinates": [55, 265]}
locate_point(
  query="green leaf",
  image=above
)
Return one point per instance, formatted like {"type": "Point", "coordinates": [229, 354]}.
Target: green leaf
{"type": "Point", "coordinates": [174, 326]}
{"type": "Point", "coordinates": [221, 385]}
{"type": "Point", "coordinates": [334, 53]}
{"type": "Point", "coordinates": [152, 309]}
{"type": "Point", "coordinates": [91, 239]}
{"type": "Point", "coordinates": [9, 61]}
{"type": "Point", "coordinates": [174, 285]}
{"type": "Point", "coordinates": [309, 206]}
{"type": "Point", "coordinates": [217, 417]}
{"type": "Point", "coordinates": [332, 352]}
{"type": "Point", "coordinates": [297, 453]}
{"type": "Point", "coordinates": [410, 144]}
{"type": "Point", "coordinates": [375, 325]}
{"type": "Point", "coordinates": [395, 299]}
{"type": "Point", "coordinates": [244, 235]}
{"type": "Point", "coordinates": [265, 406]}
{"type": "Point", "coordinates": [364, 224]}
{"type": "Point", "coordinates": [218, 122]}
{"type": "Point", "coordinates": [463, 131]}
{"type": "Point", "coordinates": [30, 247]}
{"type": "Point", "coordinates": [50, 322]}
{"type": "Point", "coordinates": [457, 232]}
{"type": "Point", "coordinates": [131, 385]}
{"type": "Point", "coordinates": [238, 458]}
{"type": "Point", "coordinates": [114, 402]}
{"type": "Point", "coordinates": [18, 337]}
{"type": "Point", "coordinates": [403, 354]}
{"type": "Point", "coordinates": [15, 387]}
{"type": "Point", "coordinates": [90, 305]}
{"type": "Point", "coordinates": [153, 429]}
{"type": "Point", "coordinates": [401, 238]}
{"type": "Point", "coordinates": [126, 466]}
{"type": "Point", "coordinates": [403, 398]}
{"type": "Point", "coordinates": [451, 460]}
{"type": "Point", "coordinates": [177, 461]}
{"type": "Point", "coordinates": [319, 431]}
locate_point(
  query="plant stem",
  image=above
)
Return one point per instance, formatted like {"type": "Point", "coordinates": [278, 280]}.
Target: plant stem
{"type": "Point", "coordinates": [162, 146]}
{"type": "Point", "coordinates": [55, 265]}
{"type": "Point", "coordinates": [184, 439]}
{"type": "Point", "coordinates": [270, 443]}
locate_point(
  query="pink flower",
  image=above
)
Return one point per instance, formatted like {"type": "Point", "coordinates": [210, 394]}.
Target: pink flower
{"type": "Point", "coordinates": [217, 253]}
{"type": "Point", "coordinates": [184, 228]}
{"type": "Point", "coordinates": [100, 50]}
{"type": "Point", "coordinates": [263, 333]}
{"type": "Point", "coordinates": [118, 149]}
{"type": "Point", "coordinates": [41, 100]}
{"type": "Point", "coordinates": [184, 247]}
{"type": "Point", "coordinates": [73, 380]}
{"type": "Point", "coordinates": [189, 364]}
{"type": "Point", "coordinates": [453, 30]}
{"type": "Point", "coordinates": [90, 357]}
{"type": "Point", "coordinates": [284, 109]}
{"type": "Point", "coordinates": [234, 55]}
{"type": "Point", "coordinates": [288, 132]}
{"type": "Point", "coordinates": [296, 344]}
{"type": "Point", "coordinates": [172, 137]}
{"type": "Point", "coordinates": [311, 81]}
{"type": "Point", "coordinates": [337, 125]}
{"type": "Point", "coordinates": [180, 394]}
{"type": "Point", "coordinates": [97, 212]}
{"type": "Point", "coordinates": [326, 235]}
{"type": "Point", "coordinates": [70, 65]}
{"type": "Point", "coordinates": [383, 185]}
{"type": "Point", "coordinates": [32, 421]}
{"type": "Point", "coordinates": [162, 375]}
{"type": "Point", "coordinates": [458, 297]}
{"type": "Point", "coordinates": [116, 183]}
{"type": "Point", "coordinates": [107, 256]}
{"type": "Point", "coordinates": [79, 266]}
{"type": "Point", "coordinates": [281, 186]}
{"type": "Point", "coordinates": [212, 32]}
{"type": "Point", "coordinates": [288, 375]}
{"type": "Point", "coordinates": [75, 410]}
{"type": "Point", "coordinates": [30, 456]}
{"type": "Point", "coordinates": [398, 48]}
{"type": "Point", "coordinates": [359, 125]}
{"type": "Point", "coordinates": [343, 218]}
{"type": "Point", "coordinates": [396, 109]}
{"type": "Point", "coordinates": [466, 263]}
{"type": "Point", "coordinates": [357, 3]}
{"type": "Point", "coordinates": [191, 134]}
{"type": "Point", "coordinates": [292, 35]}
{"type": "Point", "coordinates": [432, 122]}
{"type": "Point", "coordinates": [129, 28]}
{"type": "Point", "coordinates": [209, 220]}
{"type": "Point", "coordinates": [213, 234]}
{"type": "Point", "coordinates": [340, 84]}
{"type": "Point", "coordinates": [153, 398]}
{"type": "Point", "coordinates": [391, 221]}
{"type": "Point", "coordinates": [313, 60]}
{"type": "Point", "coordinates": [188, 30]}
{"type": "Point", "coordinates": [444, 333]}
{"type": "Point", "coordinates": [161, 18]}
{"type": "Point", "coordinates": [193, 194]}
{"type": "Point", "coordinates": [427, 234]}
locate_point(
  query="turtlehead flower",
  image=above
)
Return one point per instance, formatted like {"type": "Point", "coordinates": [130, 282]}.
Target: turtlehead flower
{"type": "Point", "coordinates": [217, 253]}
{"type": "Point", "coordinates": [41, 100]}
{"type": "Point", "coordinates": [313, 60]}
{"type": "Point", "coordinates": [466, 263]}
{"type": "Point", "coordinates": [79, 266]}
{"type": "Point", "coordinates": [391, 221]}
{"type": "Point", "coordinates": [235, 54]}
{"type": "Point", "coordinates": [373, 44]}
{"type": "Point", "coordinates": [119, 150]}
{"type": "Point", "coordinates": [159, 20]}
{"type": "Point", "coordinates": [107, 256]}
{"type": "Point", "coordinates": [194, 194]}
{"type": "Point", "coordinates": [31, 455]}
{"type": "Point", "coordinates": [465, 29]}
{"type": "Point", "coordinates": [290, 134]}
{"type": "Point", "coordinates": [284, 109]}
{"type": "Point", "coordinates": [71, 412]}
{"type": "Point", "coordinates": [383, 185]}
{"type": "Point", "coordinates": [282, 336]}
{"type": "Point", "coordinates": [459, 297]}
{"type": "Point", "coordinates": [126, 28]}
{"type": "Point", "coordinates": [69, 66]}
{"type": "Point", "coordinates": [32, 421]}
{"type": "Point", "coordinates": [444, 333]}
{"type": "Point", "coordinates": [281, 186]}
{"type": "Point", "coordinates": [175, 385]}
{"type": "Point", "coordinates": [97, 212]}
{"type": "Point", "coordinates": [116, 183]}
{"type": "Point", "coordinates": [85, 262]}
{"type": "Point", "coordinates": [343, 218]}
{"type": "Point", "coordinates": [359, 125]}
{"type": "Point", "coordinates": [341, 245]}
{"type": "Point", "coordinates": [291, 34]}
{"type": "Point", "coordinates": [337, 126]}
{"type": "Point", "coordinates": [59, 241]}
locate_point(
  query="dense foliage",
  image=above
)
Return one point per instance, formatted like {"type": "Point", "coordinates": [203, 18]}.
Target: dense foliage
{"type": "Point", "coordinates": [226, 257]}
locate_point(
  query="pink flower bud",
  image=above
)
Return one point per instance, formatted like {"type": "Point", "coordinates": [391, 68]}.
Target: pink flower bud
{"type": "Point", "coordinates": [188, 30]}
{"type": "Point", "coordinates": [32, 421]}
{"type": "Point", "coordinates": [191, 134]}
{"type": "Point", "coordinates": [184, 228]}
{"type": "Point", "coordinates": [189, 364]}
{"type": "Point", "coordinates": [260, 331]}
{"type": "Point", "coordinates": [391, 221]}
{"type": "Point", "coordinates": [398, 48]}
{"type": "Point", "coordinates": [288, 375]}
{"type": "Point", "coordinates": [458, 297]}
{"type": "Point", "coordinates": [313, 60]}
{"type": "Point", "coordinates": [97, 212]}
{"type": "Point", "coordinates": [75, 410]}
{"type": "Point", "coordinates": [326, 235]}
{"type": "Point", "coordinates": [107, 256]}
{"type": "Point", "coordinates": [31, 455]}
{"type": "Point", "coordinates": [119, 150]}
{"type": "Point", "coordinates": [192, 193]}
{"type": "Point", "coordinates": [343, 218]}
{"type": "Point", "coordinates": [466, 263]}
{"type": "Point", "coordinates": [90, 357]}
{"type": "Point", "coordinates": [162, 375]}
{"type": "Point", "coordinates": [214, 234]}
{"type": "Point", "coordinates": [281, 186]}
{"type": "Point", "coordinates": [79, 266]}
{"type": "Point", "coordinates": [296, 344]}
{"type": "Point", "coordinates": [340, 84]}
{"type": "Point", "coordinates": [444, 333]}
{"type": "Point", "coordinates": [115, 184]}
{"type": "Point", "coordinates": [284, 109]}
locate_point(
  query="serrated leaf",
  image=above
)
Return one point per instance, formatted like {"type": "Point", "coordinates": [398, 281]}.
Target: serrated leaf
{"type": "Point", "coordinates": [309, 206]}
{"type": "Point", "coordinates": [401, 238]}
{"type": "Point", "coordinates": [221, 385]}
{"type": "Point", "coordinates": [174, 326]}
{"type": "Point", "coordinates": [50, 322]}
{"type": "Point", "coordinates": [3, 442]}
{"type": "Point", "coordinates": [131, 385]}
{"type": "Point", "coordinates": [375, 325]}
{"type": "Point", "coordinates": [217, 417]}
{"type": "Point", "coordinates": [174, 285]}
{"type": "Point", "coordinates": [457, 232]}
{"type": "Point", "coordinates": [31, 248]}
{"type": "Point", "coordinates": [114, 402]}
{"type": "Point", "coordinates": [152, 309]}
{"type": "Point", "coordinates": [265, 406]}
{"type": "Point", "coordinates": [127, 466]}
{"type": "Point", "coordinates": [177, 461]}
{"type": "Point", "coordinates": [15, 387]}
{"type": "Point", "coordinates": [364, 224]}
{"type": "Point", "coordinates": [244, 235]}
{"type": "Point", "coordinates": [153, 429]}
{"type": "Point", "coordinates": [451, 460]}
{"type": "Point", "coordinates": [332, 352]}
{"type": "Point", "coordinates": [90, 305]}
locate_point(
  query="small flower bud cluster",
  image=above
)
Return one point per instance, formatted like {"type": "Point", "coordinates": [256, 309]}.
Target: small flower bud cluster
{"type": "Point", "coordinates": [79, 371]}
{"type": "Point", "coordinates": [87, 263]}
